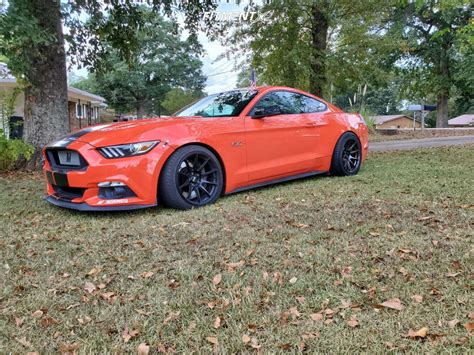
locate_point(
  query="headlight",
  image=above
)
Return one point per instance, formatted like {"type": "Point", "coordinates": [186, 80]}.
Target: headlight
{"type": "Point", "coordinates": [127, 150]}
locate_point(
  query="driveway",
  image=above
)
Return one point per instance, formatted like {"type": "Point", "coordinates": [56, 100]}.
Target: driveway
{"type": "Point", "coordinates": [420, 143]}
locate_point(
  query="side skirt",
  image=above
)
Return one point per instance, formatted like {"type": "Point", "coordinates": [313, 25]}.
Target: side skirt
{"type": "Point", "coordinates": [277, 181]}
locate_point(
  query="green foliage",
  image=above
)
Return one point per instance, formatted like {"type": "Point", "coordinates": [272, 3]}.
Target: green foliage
{"type": "Point", "coordinates": [13, 150]}
{"type": "Point", "coordinates": [178, 98]}
{"type": "Point", "coordinates": [21, 38]}
{"type": "Point", "coordinates": [161, 62]}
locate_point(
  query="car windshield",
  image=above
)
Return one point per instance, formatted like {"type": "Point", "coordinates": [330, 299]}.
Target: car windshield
{"type": "Point", "coordinates": [226, 104]}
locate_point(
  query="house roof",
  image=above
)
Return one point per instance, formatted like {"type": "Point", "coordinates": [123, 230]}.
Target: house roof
{"type": "Point", "coordinates": [387, 118]}
{"type": "Point", "coordinates": [463, 120]}
{"type": "Point", "coordinates": [72, 93]}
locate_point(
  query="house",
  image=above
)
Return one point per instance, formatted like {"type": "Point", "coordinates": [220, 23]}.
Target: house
{"type": "Point", "coordinates": [466, 120]}
{"type": "Point", "coordinates": [394, 121]}
{"type": "Point", "coordinates": [84, 108]}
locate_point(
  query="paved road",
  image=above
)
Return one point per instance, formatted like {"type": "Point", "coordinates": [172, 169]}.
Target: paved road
{"type": "Point", "coordinates": [420, 143]}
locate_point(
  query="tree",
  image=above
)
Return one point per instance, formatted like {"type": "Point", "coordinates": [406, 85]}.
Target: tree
{"type": "Point", "coordinates": [178, 98]}
{"type": "Point", "coordinates": [325, 47]}
{"type": "Point", "coordinates": [431, 33]}
{"type": "Point", "coordinates": [160, 62]}
{"type": "Point", "coordinates": [36, 55]}
{"type": "Point", "coordinates": [31, 36]}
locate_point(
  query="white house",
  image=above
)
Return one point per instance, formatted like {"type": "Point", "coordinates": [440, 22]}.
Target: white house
{"type": "Point", "coordinates": [84, 108]}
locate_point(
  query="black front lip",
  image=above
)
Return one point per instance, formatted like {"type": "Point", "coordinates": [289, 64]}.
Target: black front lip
{"type": "Point", "coordinates": [87, 208]}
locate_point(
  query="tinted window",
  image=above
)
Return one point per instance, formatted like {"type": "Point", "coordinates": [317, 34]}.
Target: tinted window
{"type": "Point", "coordinates": [289, 103]}
{"type": "Point", "coordinates": [310, 105]}
{"type": "Point", "coordinates": [229, 103]}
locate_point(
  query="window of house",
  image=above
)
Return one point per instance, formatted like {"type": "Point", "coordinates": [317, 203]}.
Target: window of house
{"type": "Point", "coordinates": [84, 111]}
{"type": "Point", "coordinates": [78, 110]}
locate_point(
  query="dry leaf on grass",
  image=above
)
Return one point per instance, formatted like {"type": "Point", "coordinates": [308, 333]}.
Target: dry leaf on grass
{"type": "Point", "coordinates": [393, 303]}
{"type": "Point", "coordinates": [212, 340]}
{"type": "Point", "coordinates": [89, 287]}
{"type": "Point", "coordinates": [147, 274]}
{"type": "Point", "coordinates": [417, 298]}
{"type": "Point", "coordinates": [453, 323]}
{"type": "Point", "coordinates": [23, 342]}
{"type": "Point", "coordinates": [47, 321]}
{"type": "Point", "coordinates": [68, 348]}
{"type": "Point", "coordinates": [469, 326]}
{"type": "Point", "coordinates": [217, 279]}
{"type": "Point", "coordinates": [37, 314]}
{"type": "Point", "coordinates": [217, 323]}
{"type": "Point", "coordinates": [143, 349]}
{"type": "Point", "coordinates": [418, 334]}
{"type": "Point", "coordinates": [93, 271]}
{"type": "Point", "coordinates": [245, 338]}
{"type": "Point", "coordinates": [233, 266]}
{"type": "Point", "coordinates": [316, 317]}
{"type": "Point", "coordinates": [353, 322]}
{"type": "Point", "coordinates": [293, 280]}
{"type": "Point", "coordinates": [127, 335]}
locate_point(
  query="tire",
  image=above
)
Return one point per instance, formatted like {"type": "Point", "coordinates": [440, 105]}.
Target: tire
{"type": "Point", "coordinates": [191, 177]}
{"type": "Point", "coordinates": [347, 155]}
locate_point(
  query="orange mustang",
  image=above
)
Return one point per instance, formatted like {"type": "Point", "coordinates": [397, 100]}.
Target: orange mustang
{"type": "Point", "coordinates": [221, 144]}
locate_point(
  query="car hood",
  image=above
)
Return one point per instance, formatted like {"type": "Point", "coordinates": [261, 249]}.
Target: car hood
{"type": "Point", "coordinates": [127, 132]}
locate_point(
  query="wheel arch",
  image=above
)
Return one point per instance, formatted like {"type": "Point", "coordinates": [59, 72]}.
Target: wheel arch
{"type": "Point", "coordinates": [207, 146]}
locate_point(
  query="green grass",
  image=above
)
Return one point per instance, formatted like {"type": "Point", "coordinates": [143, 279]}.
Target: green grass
{"type": "Point", "coordinates": [402, 227]}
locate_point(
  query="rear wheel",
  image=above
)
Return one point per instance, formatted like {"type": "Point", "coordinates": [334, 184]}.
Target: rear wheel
{"type": "Point", "coordinates": [192, 177]}
{"type": "Point", "coordinates": [347, 155]}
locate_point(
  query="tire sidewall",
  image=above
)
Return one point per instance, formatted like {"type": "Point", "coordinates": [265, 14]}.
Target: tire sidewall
{"type": "Point", "coordinates": [337, 166]}
{"type": "Point", "coordinates": [169, 193]}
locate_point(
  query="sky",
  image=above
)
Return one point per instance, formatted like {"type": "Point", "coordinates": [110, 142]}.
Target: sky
{"type": "Point", "coordinates": [221, 73]}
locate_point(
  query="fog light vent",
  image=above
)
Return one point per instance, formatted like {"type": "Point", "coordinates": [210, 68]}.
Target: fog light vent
{"type": "Point", "coordinates": [115, 192]}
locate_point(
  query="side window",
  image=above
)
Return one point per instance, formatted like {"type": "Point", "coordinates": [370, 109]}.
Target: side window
{"type": "Point", "coordinates": [284, 101]}
{"type": "Point", "coordinates": [311, 105]}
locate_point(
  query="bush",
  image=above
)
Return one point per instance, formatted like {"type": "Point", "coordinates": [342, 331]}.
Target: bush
{"type": "Point", "coordinates": [12, 150]}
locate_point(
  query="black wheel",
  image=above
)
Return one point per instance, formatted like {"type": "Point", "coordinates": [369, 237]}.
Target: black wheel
{"type": "Point", "coordinates": [192, 177]}
{"type": "Point", "coordinates": [347, 155]}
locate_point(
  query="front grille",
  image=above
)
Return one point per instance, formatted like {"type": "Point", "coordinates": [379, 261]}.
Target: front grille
{"type": "Point", "coordinates": [68, 193]}
{"type": "Point", "coordinates": [53, 156]}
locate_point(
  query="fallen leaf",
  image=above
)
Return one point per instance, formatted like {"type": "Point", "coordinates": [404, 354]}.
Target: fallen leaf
{"type": "Point", "coordinates": [37, 314]}
{"type": "Point", "coordinates": [23, 342]}
{"type": "Point", "coordinates": [418, 334]}
{"type": "Point", "coordinates": [212, 340]}
{"type": "Point", "coordinates": [245, 338]}
{"type": "Point", "coordinates": [417, 298]}
{"type": "Point", "coordinates": [293, 280]}
{"type": "Point", "coordinates": [143, 349]}
{"type": "Point", "coordinates": [471, 315]}
{"type": "Point", "coordinates": [147, 274]}
{"type": "Point", "coordinates": [316, 317]}
{"type": "Point", "coordinates": [217, 323]}
{"type": "Point", "coordinates": [393, 303]}
{"type": "Point", "coordinates": [453, 323]}
{"type": "Point", "coordinates": [47, 321]}
{"type": "Point", "coordinates": [18, 321]}
{"type": "Point", "coordinates": [217, 279]}
{"type": "Point", "coordinates": [294, 312]}
{"type": "Point", "coordinates": [107, 295]}
{"type": "Point", "coordinates": [352, 322]}
{"type": "Point", "coordinates": [233, 266]}
{"type": "Point", "coordinates": [68, 348]}
{"type": "Point", "coordinates": [469, 326]}
{"type": "Point", "coordinates": [89, 287]}
{"type": "Point", "coordinates": [93, 271]}
{"type": "Point", "coordinates": [127, 335]}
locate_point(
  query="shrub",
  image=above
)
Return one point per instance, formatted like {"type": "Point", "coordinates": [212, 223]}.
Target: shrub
{"type": "Point", "coordinates": [13, 150]}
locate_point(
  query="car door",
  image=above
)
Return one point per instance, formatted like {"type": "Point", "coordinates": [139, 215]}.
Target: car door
{"type": "Point", "coordinates": [282, 142]}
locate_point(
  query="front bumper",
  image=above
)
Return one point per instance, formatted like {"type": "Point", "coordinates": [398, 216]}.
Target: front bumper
{"type": "Point", "coordinates": [78, 188]}
{"type": "Point", "coordinates": [87, 208]}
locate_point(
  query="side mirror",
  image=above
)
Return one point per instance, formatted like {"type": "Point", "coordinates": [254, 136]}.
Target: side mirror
{"type": "Point", "coordinates": [268, 111]}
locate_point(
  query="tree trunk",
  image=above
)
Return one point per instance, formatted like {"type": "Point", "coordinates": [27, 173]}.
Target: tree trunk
{"type": "Point", "coordinates": [442, 110]}
{"type": "Point", "coordinates": [140, 109]}
{"type": "Point", "coordinates": [319, 32]}
{"type": "Point", "coordinates": [46, 109]}
{"type": "Point", "coordinates": [443, 93]}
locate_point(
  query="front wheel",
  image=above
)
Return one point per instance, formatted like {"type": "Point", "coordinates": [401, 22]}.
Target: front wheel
{"type": "Point", "coordinates": [347, 155]}
{"type": "Point", "coordinates": [192, 177]}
